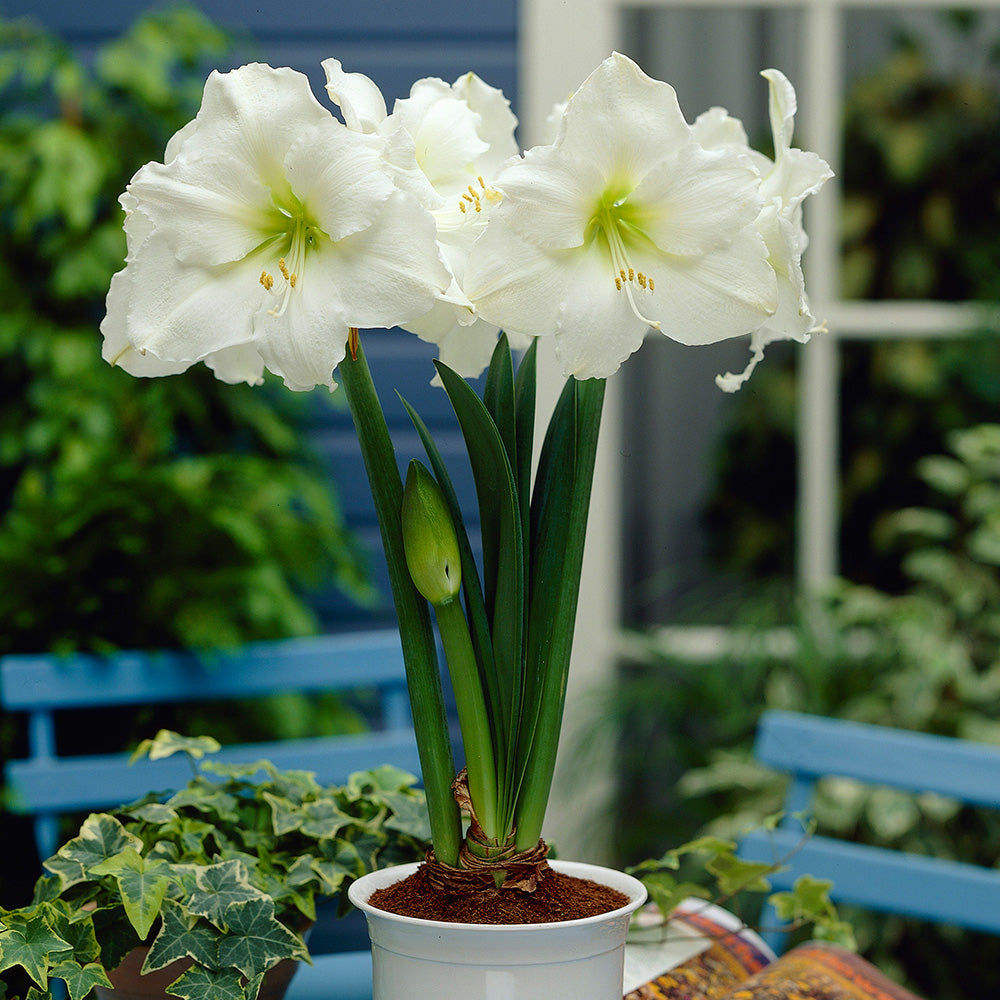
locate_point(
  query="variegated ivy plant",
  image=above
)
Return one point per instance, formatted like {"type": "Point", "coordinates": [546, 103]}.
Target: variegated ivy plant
{"type": "Point", "coordinates": [225, 872]}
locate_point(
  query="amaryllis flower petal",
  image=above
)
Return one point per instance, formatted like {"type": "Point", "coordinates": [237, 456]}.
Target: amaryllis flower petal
{"type": "Point", "coordinates": [358, 97]}
{"type": "Point", "coordinates": [625, 222]}
{"type": "Point", "coordinates": [267, 233]}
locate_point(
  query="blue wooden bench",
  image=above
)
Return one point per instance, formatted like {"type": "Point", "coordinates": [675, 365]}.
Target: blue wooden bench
{"type": "Point", "coordinates": [47, 785]}
{"type": "Point", "coordinates": [809, 748]}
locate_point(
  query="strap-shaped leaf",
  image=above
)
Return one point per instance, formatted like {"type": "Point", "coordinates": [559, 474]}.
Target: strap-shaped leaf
{"type": "Point", "coordinates": [525, 392]}
{"type": "Point", "coordinates": [500, 519]}
{"type": "Point", "coordinates": [559, 510]}
{"type": "Point", "coordinates": [498, 397]}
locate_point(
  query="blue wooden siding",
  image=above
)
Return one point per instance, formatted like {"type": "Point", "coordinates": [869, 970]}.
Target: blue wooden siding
{"type": "Point", "coordinates": [395, 42]}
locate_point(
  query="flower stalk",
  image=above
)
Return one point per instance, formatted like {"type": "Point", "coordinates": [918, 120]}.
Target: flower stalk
{"type": "Point", "coordinates": [419, 652]}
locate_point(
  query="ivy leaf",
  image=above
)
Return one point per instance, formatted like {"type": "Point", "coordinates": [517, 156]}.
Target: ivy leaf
{"type": "Point", "coordinates": [409, 815]}
{"type": "Point", "coordinates": [323, 819]}
{"type": "Point", "coordinates": [101, 837]}
{"type": "Point", "coordinates": [384, 778]}
{"type": "Point", "coordinates": [666, 892]}
{"type": "Point", "coordinates": [142, 882]}
{"type": "Point", "coordinates": [286, 815]}
{"type": "Point", "coordinates": [207, 798]}
{"type": "Point", "coordinates": [256, 939]}
{"type": "Point", "coordinates": [167, 743]}
{"type": "Point", "coordinates": [76, 931]}
{"type": "Point", "coordinates": [809, 896]}
{"type": "Point", "coordinates": [206, 984]}
{"type": "Point", "coordinates": [81, 979]}
{"type": "Point", "coordinates": [736, 875]}
{"type": "Point", "coordinates": [219, 886]}
{"type": "Point", "coordinates": [182, 935]}
{"type": "Point", "coordinates": [153, 812]}
{"type": "Point", "coordinates": [28, 942]}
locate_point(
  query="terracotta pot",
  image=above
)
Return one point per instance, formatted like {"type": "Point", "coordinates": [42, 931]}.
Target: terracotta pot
{"type": "Point", "coordinates": [414, 959]}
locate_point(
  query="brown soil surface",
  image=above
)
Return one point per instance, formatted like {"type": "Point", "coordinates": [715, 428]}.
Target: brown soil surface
{"type": "Point", "coordinates": [557, 897]}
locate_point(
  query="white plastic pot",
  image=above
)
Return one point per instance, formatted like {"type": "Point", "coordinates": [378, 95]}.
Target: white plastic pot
{"type": "Point", "coordinates": [414, 959]}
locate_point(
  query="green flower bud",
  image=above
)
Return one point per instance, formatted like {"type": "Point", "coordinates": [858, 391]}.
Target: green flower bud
{"type": "Point", "coordinates": [429, 538]}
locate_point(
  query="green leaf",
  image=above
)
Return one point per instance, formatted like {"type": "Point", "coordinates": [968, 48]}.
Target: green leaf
{"type": "Point", "coordinates": [182, 935]}
{"type": "Point", "coordinates": [208, 799]}
{"type": "Point", "coordinates": [384, 778]}
{"type": "Point", "coordinates": [323, 820]}
{"type": "Point", "coordinates": [666, 892]}
{"type": "Point", "coordinates": [167, 743]}
{"type": "Point", "coordinates": [28, 942]}
{"type": "Point", "coordinates": [736, 875]}
{"type": "Point", "coordinates": [207, 984]}
{"type": "Point", "coordinates": [101, 837]}
{"type": "Point", "coordinates": [409, 815]}
{"type": "Point", "coordinates": [256, 940]}
{"type": "Point", "coordinates": [525, 392]}
{"type": "Point", "coordinates": [81, 979]}
{"type": "Point", "coordinates": [153, 812]}
{"type": "Point", "coordinates": [218, 887]}
{"type": "Point", "coordinates": [503, 553]}
{"type": "Point", "coordinates": [559, 508]}
{"type": "Point", "coordinates": [498, 397]}
{"type": "Point", "coordinates": [142, 883]}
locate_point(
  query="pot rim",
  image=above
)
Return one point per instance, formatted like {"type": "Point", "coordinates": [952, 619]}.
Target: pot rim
{"type": "Point", "coordinates": [361, 889]}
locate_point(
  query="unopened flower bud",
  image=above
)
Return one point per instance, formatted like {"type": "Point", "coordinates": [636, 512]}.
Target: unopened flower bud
{"type": "Point", "coordinates": [429, 537]}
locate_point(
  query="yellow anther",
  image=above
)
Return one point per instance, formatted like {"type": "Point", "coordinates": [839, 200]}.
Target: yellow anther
{"type": "Point", "coordinates": [468, 197]}
{"type": "Point", "coordinates": [461, 205]}
{"type": "Point", "coordinates": [624, 276]}
{"type": "Point", "coordinates": [292, 278]}
{"type": "Point", "coordinates": [618, 283]}
{"type": "Point", "coordinates": [651, 285]}
{"type": "Point", "coordinates": [631, 274]}
{"type": "Point", "coordinates": [642, 279]}
{"type": "Point", "coordinates": [283, 268]}
{"type": "Point", "coordinates": [482, 183]}
{"type": "Point", "coordinates": [266, 280]}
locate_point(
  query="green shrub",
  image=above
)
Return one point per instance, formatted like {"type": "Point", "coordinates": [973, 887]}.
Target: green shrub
{"type": "Point", "coordinates": [172, 512]}
{"type": "Point", "coordinates": [926, 659]}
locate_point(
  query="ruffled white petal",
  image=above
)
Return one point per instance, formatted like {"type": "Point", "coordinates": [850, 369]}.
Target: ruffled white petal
{"type": "Point", "coordinates": [694, 200]}
{"type": "Point", "coordinates": [358, 97]}
{"type": "Point", "coordinates": [338, 174]}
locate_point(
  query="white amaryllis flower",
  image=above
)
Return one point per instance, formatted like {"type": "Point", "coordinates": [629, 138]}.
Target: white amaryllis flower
{"type": "Point", "coordinates": [623, 223]}
{"type": "Point", "coordinates": [268, 231]}
{"type": "Point", "coordinates": [785, 183]}
{"type": "Point", "coordinates": [448, 141]}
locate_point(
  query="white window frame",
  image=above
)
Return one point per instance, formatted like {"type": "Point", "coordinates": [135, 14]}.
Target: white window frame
{"type": "Point", "coordinates": [560, 46]}
{"type": "Point", "coordinates": [561, 42]}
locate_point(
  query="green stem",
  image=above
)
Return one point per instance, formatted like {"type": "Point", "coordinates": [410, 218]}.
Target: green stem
{"type": "Point", "coordinates": [419, 653]}
{"type": "Point", "coordinates": [473, 719]}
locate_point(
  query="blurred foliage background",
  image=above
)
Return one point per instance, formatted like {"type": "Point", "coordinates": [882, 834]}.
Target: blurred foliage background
{"type": "Point", "coordinates": [910, 636]}
{"type": "Point", "coordinates": [135, 513]}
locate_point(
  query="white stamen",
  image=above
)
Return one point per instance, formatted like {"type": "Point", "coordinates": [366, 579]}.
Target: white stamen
{"type": "Point", "coordinates": [626, 276]}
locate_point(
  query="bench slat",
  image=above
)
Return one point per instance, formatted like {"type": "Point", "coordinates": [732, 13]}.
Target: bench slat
{"type": "Point", "coordinates": [916, 762]}
{"type": "Point", "coordinates": [332, 662]}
